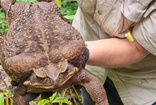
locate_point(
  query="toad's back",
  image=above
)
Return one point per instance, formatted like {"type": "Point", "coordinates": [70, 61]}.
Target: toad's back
{"type": "Point", "coordinates": [37, 37]}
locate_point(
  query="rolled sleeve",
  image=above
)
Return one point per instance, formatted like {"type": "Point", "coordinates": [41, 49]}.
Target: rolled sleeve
{"type": "Point", "coordinates": [135, 9]}
{"type": "Point", "coordinates": [145, 32]}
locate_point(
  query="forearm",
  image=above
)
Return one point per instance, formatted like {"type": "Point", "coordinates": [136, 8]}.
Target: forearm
{"type": "Point", "coordinates": [114, 52]}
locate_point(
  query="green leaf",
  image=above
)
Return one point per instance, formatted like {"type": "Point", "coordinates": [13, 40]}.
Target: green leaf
{"type": "Point", "coordinates": [62, 100]}
{"type": "Point", "coordinates": [9, 94]}
{"type": "Point", "coordinates": [53, 96]}
{"type": "Point", "coordinates": [58, 2]}
{"type": "Point", "coordinates": [43, 102]}
{"type": "Point", "coordinates": [71, 17]}
{"type": "Point", "coordinates": [1, 99]}
{"type": "Point", "coordinates": [11, 101]}
{"type": "Point", "coordinates": [27, 1]}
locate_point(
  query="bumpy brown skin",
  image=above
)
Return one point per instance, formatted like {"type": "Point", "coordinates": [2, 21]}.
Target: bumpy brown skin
{"type": "Point", "coordinates": [37, 37]}
{"type": "Point", "coordinates": [45, 51]}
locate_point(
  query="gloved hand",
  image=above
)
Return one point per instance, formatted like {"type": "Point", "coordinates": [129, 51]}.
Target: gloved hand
{"type": "Point", "coordinates": [84, 64]}
{"type": "Point", "coordinates": [86, 57]}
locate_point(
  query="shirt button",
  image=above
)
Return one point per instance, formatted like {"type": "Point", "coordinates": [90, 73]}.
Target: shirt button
{"type": "Point", "coordinates": [99, 12]}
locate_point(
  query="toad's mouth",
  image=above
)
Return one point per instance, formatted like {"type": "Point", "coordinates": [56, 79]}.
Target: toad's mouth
{"type": "Point", "coordinates": [49, 84]}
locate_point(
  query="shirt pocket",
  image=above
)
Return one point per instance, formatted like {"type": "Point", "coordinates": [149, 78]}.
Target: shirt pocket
{"type": "Point", "coordinates": [103, 7]}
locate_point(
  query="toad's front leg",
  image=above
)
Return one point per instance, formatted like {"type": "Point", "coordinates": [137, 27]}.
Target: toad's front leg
{"type": "Point", "coordinates": [21, 97]}
{"type": "Point", "coordinates": [20, 66]}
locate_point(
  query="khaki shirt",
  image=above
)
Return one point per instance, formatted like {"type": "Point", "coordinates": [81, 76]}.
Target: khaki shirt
{"type": "Point", "coordinates": [99, 19]}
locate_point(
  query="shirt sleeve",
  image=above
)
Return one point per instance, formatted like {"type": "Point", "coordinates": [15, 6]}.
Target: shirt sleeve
{"type": "Point", "coordinates": [135, 9]}
{"type": "Point", "coordinates": [145, 32]}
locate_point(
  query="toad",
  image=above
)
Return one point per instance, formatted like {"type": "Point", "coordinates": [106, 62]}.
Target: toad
{"type": "Point", "coordinates": [43, 52]}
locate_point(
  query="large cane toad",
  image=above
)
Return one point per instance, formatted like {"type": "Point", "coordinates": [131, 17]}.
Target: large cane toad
{"type": "Point", "coordinates": [44, 53]}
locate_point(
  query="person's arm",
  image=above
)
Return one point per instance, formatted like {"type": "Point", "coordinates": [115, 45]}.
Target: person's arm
{"type": "Point", "coordinates": [114, 52]}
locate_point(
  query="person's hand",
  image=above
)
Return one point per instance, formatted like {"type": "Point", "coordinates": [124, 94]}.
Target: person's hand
{"type": "Point", "coordinates": [84, 64]}
{"type": "Point", "coordinates": [86, 57]}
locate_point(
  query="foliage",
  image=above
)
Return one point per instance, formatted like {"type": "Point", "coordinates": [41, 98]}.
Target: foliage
{"type": "Point", "coordinates": [68, 9]}
{"type": "Point", "coordinates": [28, 1]}
{"type": "Point", "coordinates": [3, 23]}
{"type": "Point", "coordinates": [1, 99]}
{"type": "Point", "coordinates": [69, 96]}
{"type": "Point", "coordinates": [54, 99]}
{"type": "Point", "coordinates": [6, 98]}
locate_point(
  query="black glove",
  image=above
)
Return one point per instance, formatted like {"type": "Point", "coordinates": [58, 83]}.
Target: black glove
{"type": "Point", "coordinates": [83, 65]}
{"type": "Point", "coordinates": [86, 57]}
